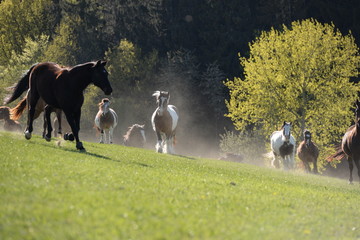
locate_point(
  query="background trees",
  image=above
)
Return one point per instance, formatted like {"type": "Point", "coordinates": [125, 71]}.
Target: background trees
{"type": "Point", "coordinates": [300, 74]}
{"type": "Point", "coordinates": [186, 47]}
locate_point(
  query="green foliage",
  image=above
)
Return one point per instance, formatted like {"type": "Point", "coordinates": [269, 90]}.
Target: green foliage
{"type": "Point", "coordinates": [52, 191]}
{"type": "Point", "coordinates": [132, 76]}
{"type": "Point", "coordinates": [300, 74]}
{"type": "Point", "coordinates": [20, 63]}
{"type": "Point", "coordinates": [20, 20]}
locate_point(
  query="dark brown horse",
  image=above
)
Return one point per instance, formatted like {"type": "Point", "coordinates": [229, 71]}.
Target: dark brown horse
{"type": "Point", "coordinates": [135, 136]}
{"type": "Point", "coordinates": [61, 88]}
{"type": "Point", "coordinates": [350, 145]}
{"type": "Point", "coordinates": [9, 125]}
{"type": "Point", "coordinates": [308, 152]}
{"type": "Point", "coordinates": [19, 109]}
{"type": "Point", "coordinates": [164, 122]}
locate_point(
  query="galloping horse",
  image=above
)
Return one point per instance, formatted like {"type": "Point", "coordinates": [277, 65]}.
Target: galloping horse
{"type": "Point", "coordinates": [308, 152]}
{"type": "Point", "coordinates": [135, 136]}
{"type": "Point", "coordinates": [106, 120]}
{"type": "Point", "coordinates": [61, 88]}
{"type": "Point", "coordinates": [9, 125]}
{"type": "Point", "coordinates": [350, 145]}
{"type": "Point", "coordinates": [164, 122]}
{"type": "Point", "coordinates": [283, 145]}
{"type": "Point", "coordinates": [18, 110]}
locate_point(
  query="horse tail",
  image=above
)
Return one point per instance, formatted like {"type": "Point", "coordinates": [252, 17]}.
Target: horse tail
{"type": "Point", "coordinates": [17, 111]}
{"type": "Point", "coordinates": [20, 87]}
{"type": "Point", "coordinates": [338, 155]}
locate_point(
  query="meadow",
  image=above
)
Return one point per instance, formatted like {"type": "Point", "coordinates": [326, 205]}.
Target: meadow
{"type": "Point", "coordinates": [49, 190]}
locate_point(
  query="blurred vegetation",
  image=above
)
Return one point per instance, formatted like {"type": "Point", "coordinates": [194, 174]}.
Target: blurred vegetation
{"type": "Point", "coordinates": [300, 74]}
{"type": "Point", "coordinates": [186, 47]}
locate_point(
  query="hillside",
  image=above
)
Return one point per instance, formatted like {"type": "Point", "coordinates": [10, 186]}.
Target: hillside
{"type": "Point", "coordinates": [51, 191]}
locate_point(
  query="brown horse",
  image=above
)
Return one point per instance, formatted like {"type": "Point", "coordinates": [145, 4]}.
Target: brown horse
{"type": "Point", "coordinates": [308, 152]}
{"type": "Point", "coordinates": [135, 136]}
{"type": "Point", "coordinates": [9, 125]}
{"type": "Point", "coordinates": [350, 145]}
{"type": "Point", "coordinates": [164, 122]}
{"type": "Point", "coordinates": [61, 88]}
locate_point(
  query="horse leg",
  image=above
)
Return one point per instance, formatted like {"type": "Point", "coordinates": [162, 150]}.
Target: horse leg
{"type": "Point", "coordinates": [59, 116]}
{"type": "Point", "coordinates": [79, 144]}
{"type": "Point", "coordinates": [356, 160]}
{"type": "Point", "coordinates": [44, 126]}
{"type": "Point", "coordinates": [158, 145]}
{"type": "Point", "coordinates": [307, 166]}
{"type": "Point", "coordinates": [74, 122]}
{"type": "Point", "coordinates": [32, 107]}
{"type": "Point", "coordinates": [48, 110]}
{"type": "Point", "coordinates": [275, 162]}
{"type": "Point", "coordinates": [111, 131]}
{"type": "Point", "coordinates": [351, 166]}
{"type": "Point", "coordinates": [315, 170]}
{"type": "Point", "coordinates": [102, 136]}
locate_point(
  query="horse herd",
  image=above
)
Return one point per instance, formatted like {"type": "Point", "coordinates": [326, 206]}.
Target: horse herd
{"type": "Point", "coordinates": [53, 88]}
{"type": "Point", "coordinates": [283, 147]}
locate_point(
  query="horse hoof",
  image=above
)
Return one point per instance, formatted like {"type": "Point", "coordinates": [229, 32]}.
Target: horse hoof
{"type": "Point", "coordinates": [27, 135]}
{"type": "Point", "coordinates": [47, 138]}
{"type": "Point", "coordinates": [69, 137]}
{"type": "Point", "coordinates": [80, 147]}
{"type": "Point", "coordinates": [351, 183]}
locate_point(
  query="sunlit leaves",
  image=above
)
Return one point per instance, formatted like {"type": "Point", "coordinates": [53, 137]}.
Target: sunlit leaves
{"type": "Point", "coordinates": [298, 74]}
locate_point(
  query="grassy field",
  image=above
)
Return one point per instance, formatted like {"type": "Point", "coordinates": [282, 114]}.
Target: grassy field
{"type": "Point", "coordinates": [114, 192]}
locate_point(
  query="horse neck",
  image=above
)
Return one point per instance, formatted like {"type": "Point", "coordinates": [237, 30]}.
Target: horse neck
{"type": "Point", "coordinates": [82, 74]}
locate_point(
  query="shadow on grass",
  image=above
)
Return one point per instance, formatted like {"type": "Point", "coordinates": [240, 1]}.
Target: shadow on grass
{"type": "Point", "coordinates": [183, 156]}
{"type": "Point", "coordinates": [74, 151]}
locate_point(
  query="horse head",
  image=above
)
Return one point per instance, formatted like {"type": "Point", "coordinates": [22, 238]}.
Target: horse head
{"type": "Point", "coordinates": [104, 106]}
{"type": "Point", "coordinates": [286, 130]}
{"type": "Point", "coordinates": [162, 99]}
{"type": "Point", "coordinates": [135, 136]}
{"type": "Point", "coordinates": [307, 137]}
{"type": "Point", "coordinates": [100, 77]}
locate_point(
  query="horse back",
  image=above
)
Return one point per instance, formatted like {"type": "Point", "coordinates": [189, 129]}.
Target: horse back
{"type": "Point", "coordinates": [351, 141]}
{"type": "Point", "coordinates": [44, 78]}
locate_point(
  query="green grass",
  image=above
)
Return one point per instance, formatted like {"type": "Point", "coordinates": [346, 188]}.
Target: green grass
{"type": "Point", "coordinates": [114, 192]}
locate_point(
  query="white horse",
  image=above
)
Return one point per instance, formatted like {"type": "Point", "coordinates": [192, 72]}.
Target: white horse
{"type": "Point", "coordinates": [283, 145]}
{"type": "Point", "coordinates": [106, 120]}
{"type": "Point", "coordinates": [164, 122]}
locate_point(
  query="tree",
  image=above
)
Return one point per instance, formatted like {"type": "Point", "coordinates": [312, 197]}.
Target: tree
{"type": "Point", "coordinates": [299, 74]}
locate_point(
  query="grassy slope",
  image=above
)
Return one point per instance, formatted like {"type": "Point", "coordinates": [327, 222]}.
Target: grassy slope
{"type": "Point", "coordinates": [115, 192]}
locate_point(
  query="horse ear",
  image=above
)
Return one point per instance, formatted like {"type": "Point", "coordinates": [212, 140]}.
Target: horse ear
{"type": "Point", "coordinates": [103, 63]}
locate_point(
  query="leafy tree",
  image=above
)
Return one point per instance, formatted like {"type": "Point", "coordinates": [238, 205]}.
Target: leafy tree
{"type": "Point", "coordinates": [20, 63]}
{"type": "Point", "coordinates": [20, 20]}
{"type": "Point", "coordinates": [300, 74]}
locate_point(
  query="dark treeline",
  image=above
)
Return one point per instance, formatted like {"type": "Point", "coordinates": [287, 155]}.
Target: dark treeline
{"type": "Point", "coordinates": [186, 47]}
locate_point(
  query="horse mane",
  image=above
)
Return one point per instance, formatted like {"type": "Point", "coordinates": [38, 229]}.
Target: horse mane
{"type": "Point", "coordinates": [131, 128]}
{"type": "Point", "coordinates": [78, 67]}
